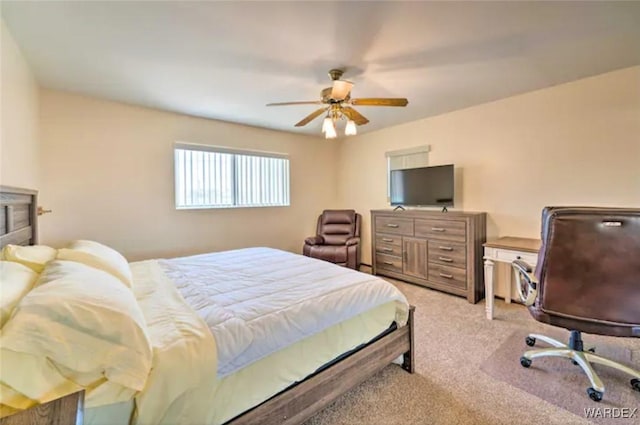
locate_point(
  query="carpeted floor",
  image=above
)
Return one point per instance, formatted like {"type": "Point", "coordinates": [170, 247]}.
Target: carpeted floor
{"type": "Point", "coordinates": [453, 339]}
{"type": "Point", "coordinates": [558, 381]}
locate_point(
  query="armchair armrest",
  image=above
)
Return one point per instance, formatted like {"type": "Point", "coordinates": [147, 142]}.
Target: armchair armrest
{"type": "Point", "coordinates": [527, 283]}
{"type": "Point", "coordinates": [352, 241]}
{"type": "Point", "coordinates": [314, 240]}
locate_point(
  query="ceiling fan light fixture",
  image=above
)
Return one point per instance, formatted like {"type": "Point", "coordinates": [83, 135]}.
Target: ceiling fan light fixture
{"type": "Point", "coordinates": [350, 129]}
{"type": "Point", "coordinates": [328, 122]}
{"type": "Point", "coordinates": [330, 132]}
{"type": "Point", "coordinates": [338, 104]}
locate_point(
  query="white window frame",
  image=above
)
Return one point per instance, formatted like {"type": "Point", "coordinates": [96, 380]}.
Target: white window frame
{"type": "Point", "coordinates": [403, 159]}
{"type": "Point", "coordinates": [281, 192]}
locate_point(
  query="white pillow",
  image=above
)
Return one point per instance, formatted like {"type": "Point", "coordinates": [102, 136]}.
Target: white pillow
{"type": "Point", "coordinates": [33, 256]}
{"type": "Point", "coordinates": [15, 281]}
{"type": "Point", "coordinates": [99, 256]}
{"type": "Point", "coordinates": [83, 321]}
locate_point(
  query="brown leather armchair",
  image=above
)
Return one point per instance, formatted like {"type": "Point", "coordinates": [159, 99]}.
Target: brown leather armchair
{"type": "Point", "coordinates": [337, 238]}
{"type": "Point", "coordinates": [587, 280]}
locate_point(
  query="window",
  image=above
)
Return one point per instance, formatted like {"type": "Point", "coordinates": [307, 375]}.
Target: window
{"type": "Point", "coordinates": [217, 177]}
{"type": "Point", "coordinates": [406, 158]}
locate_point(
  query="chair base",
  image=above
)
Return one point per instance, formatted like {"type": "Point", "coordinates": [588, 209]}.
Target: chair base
{"type": "Point", "coordinates": [584, 359]}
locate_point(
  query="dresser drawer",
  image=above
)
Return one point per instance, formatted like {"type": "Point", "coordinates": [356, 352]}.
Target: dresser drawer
{"type": "Point", "coordinates": [388, 262]}
{"type": "Point", "coordinates": [447, 254]}
{"type": "Point", "coordinates": [388, 239]}
{"type": "Point", "coordinates": [454, 231]}
{"type": "Point", "coordinates": [388, 249]}
{"type": "Point", "coordinates": [396, 226]}
{"type": "Point", "coordinates": [448, 275]}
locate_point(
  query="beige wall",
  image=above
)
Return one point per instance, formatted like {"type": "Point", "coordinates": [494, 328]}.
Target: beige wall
{"type": "Point", "coordinates": [107, 168]}
{"type": "Point", "coordinates": [19, 145]}
{"type": "Point", "coordinates": [573, 144]}
{"type": "Point", "coordinates": [108, 176]}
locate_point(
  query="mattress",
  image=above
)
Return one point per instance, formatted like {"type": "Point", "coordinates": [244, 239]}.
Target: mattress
{"type": "Point", "coordinates": [257, 301]}
{"type": "Point", "coordinates": [264, 378]}
{"type": "Point", "coordinates": [243, 291]}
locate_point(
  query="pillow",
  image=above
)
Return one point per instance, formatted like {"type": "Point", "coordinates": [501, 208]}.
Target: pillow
{"type": "Point", "coordinates": [98, 256]}
{"type": "Point", "coordinates": [84, 323]}
{"type": "Point", "coordinates": [16, 280]}
{"type": "Point", "coordinates": [34, 256]}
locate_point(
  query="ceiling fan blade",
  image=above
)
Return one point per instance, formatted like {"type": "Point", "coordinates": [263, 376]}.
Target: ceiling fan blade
{"type": "Point", "coordinates": [341, 89]}
{"type": "Point", "coordinates": [306, 120]}
{"type": "Point", "coordinates": [306, 102]}
{"type": "Point", "coordinates": [379, 101]}
{"type": "Point", "coordinates": [354, 115]}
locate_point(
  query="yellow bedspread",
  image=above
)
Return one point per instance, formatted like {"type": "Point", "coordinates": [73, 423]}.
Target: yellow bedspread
{"type": "Point", "coordinates": [182, 387]}
{"type": "Point", "coordinates": [184, 353]}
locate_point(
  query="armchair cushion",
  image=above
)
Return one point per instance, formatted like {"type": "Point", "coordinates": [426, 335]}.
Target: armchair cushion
{"type": "Point", "coordinates": [314, 240]}
{"type": "Point", "coordinates": [332, 253]}
{"type": "Point", "coordinates": [336, 226]}
{"type": "Point", "coordinates": [352, 241]}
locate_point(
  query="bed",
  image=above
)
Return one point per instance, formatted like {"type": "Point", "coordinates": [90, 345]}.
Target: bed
{"type": "Point", "coordinates": [269, 367]}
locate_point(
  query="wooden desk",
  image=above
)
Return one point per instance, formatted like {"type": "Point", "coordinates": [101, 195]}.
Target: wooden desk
{"type": "Point", "coordinates": [67, 410]}
{"type": "Point", "coordinates": [505, 250]}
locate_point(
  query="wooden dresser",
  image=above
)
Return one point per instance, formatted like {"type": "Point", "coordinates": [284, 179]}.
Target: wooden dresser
{"type": "Point", "coordinates": [439, 250]}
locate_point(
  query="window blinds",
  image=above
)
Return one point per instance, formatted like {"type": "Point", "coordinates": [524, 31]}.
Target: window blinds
{"type": "Point", "coordinates": [406, 158]}
{"type": "Point", "coordinates": [218, 177]}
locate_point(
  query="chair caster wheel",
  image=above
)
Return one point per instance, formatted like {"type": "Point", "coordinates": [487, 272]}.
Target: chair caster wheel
{"type": "Point", "coordinates": [594, 395]}
{"type": "Point", "coordinates": [530, 341]}
{"type": "Point", "coordinates": [525, 362]}
{"type": "Point", "coordinates": [635, 383]}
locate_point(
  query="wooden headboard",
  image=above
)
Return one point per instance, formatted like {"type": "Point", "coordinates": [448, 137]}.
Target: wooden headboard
{"type": "Point", "coordinates": [18, 216]}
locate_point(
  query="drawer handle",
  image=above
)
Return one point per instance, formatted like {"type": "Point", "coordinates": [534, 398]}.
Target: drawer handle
{"type": "Point", "coordinates": [389, 263]}
{"type": "Point", "coordinates": [448, 276]}
{"type": "Point", "coordinates": [387, 249]}
{"type": "Point", "coordinates": [437, 229]}
{"type": "Point", "coordinates": [392, 225]}
{"type": "Point", "coordinates": [446, 259]}
{"type": "Point", "coordinates": [387, 240]}
{"type": "Point", "coordinates": [446, 248]}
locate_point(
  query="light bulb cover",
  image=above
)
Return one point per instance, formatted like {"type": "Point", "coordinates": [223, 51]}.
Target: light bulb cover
{"type": "Point", "coordinates": [351, 129]}
{"type": "Point", "coordinates": [330, 133]}
{"type": "Point", "coordinates": [328, 122]}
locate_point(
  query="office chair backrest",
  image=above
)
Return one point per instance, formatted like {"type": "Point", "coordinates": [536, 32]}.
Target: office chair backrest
{"type": "Point", "coordinates": [589, 270]}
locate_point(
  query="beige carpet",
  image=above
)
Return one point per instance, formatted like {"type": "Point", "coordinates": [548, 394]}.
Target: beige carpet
{"type": "Point", "coordinates": [453, 339]}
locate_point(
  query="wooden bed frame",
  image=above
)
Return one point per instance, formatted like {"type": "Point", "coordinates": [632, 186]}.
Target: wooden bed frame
{"type": "Point", "coordinates": [300, 401]}
{"type": "Point", "coordinates": [18, 225]}
{"type": "Point", "coordinates": [18, 216]}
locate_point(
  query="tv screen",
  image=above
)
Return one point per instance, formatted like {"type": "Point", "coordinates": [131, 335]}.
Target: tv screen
{"type": "Point", "coordinates": [426, 186]}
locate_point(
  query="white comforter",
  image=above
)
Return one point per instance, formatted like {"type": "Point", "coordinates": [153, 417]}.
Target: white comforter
{"type": "Point", "coordinates": [259, 300]}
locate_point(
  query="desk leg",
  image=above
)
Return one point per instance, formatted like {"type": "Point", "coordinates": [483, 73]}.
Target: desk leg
{"type": "Point", "coordinates": [488, 287]}
{"type": "Point", "coordinates": [508, 284]}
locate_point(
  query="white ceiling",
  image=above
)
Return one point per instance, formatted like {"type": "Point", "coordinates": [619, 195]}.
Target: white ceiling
{"type": "Point", "coordinates": [226, 60]}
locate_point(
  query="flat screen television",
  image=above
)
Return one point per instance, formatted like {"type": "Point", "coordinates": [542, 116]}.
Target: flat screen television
{"type": "Point", "coordinates": [425, 186]}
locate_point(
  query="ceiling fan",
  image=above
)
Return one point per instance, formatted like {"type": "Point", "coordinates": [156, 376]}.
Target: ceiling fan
{"type": "Point", "coordinates": [339, 106]}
